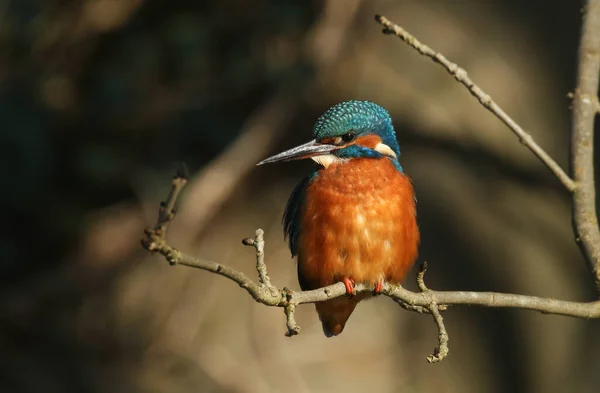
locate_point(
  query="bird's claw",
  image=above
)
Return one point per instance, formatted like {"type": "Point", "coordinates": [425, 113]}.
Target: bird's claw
{"type": "Point", "coordinates": [349, 284]}
{"type": "Point", "coordinates": [378, 287]}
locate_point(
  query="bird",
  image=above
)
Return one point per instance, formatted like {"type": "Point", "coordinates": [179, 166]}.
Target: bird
{"type": "Point", "coordinates": [353, 218]}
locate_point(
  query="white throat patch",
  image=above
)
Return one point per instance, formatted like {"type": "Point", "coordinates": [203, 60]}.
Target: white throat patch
{"type": "Point", "coordinates": [385, 150]}
{"type": "Point", "coordinates": [327, 159]}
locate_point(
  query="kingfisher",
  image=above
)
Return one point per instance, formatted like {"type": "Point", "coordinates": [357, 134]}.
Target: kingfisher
{"type": "Point", "coordinates": [353, 218]}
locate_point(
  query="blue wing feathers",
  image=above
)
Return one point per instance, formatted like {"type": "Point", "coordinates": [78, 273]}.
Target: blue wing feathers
{"type": "Point", "coordinates": [293, 210]}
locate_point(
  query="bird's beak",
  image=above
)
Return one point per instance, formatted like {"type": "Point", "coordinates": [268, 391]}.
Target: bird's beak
{"type": "Point", "coordinates": [307, 150]}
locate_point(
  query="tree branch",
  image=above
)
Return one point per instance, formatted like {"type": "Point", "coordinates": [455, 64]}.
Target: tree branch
{"type": "Point", "coordinates": [585, 107]}
{"type": "Point", "coordinates": [461, 76]}
{"type": "Point", "coordinates": [442, 350]}
{"type": "Point", "coordinates": [426, 301]}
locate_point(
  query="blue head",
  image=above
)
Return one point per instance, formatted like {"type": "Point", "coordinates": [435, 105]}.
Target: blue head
{"type": "Point", "coordinates": [352, 129]}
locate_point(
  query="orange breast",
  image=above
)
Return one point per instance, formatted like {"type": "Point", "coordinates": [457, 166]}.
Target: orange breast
{"type": "Point", "coordinates": [359, 222]}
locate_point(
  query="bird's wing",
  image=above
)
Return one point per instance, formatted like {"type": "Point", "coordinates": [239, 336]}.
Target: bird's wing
{"type": "Point", "coordinates": [293, 210]}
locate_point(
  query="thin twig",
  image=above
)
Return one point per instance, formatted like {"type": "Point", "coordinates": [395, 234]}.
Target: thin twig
{"type": "Point", "coordinates": [421, 277]}
{"type": "Point", "coordinates": [292, 327]}
{"type": "Point", "coordinates": [261, 268]}
{"type": "Point", "coordinates": [442, 350]}
{"type": "Point", "coordinates": [426, 301]}
{"type": "Point", "coordinates": [461, 76]}
{"type": "Point", "coordinates": [166, 213]}
{"type": "Point", "coordinates": [585, 108]}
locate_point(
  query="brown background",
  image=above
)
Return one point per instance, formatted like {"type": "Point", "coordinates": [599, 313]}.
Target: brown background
{"type": "Point", "coordinates": [99, 99]}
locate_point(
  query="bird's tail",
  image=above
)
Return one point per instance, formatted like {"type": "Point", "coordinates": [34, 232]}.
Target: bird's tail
{"type": "Point", "coordinates": [334, 313]}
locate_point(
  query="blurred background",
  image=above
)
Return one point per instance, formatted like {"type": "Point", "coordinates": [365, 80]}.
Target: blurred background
{"type": "Point", "coordinates": [99, 101]}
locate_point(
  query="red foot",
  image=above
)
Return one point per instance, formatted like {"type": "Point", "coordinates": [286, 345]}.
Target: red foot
{"type": "Point", "coordinates": [349, 284]}
{"type": "Point", "coordinates": [378, 287]}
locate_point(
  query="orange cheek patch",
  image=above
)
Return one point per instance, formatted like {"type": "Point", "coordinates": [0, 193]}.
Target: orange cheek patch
{"type": "Point", "coordinates": [369, 141]}
{"type": "Point", "coordinates": [327, 141]}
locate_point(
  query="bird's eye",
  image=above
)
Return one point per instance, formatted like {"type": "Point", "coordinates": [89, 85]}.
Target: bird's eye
{"type": "Point", "coordinates": [348, 137]}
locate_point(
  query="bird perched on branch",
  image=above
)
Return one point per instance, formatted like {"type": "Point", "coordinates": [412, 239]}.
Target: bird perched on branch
{"type": "Point", "coordinates": [352, 219]}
